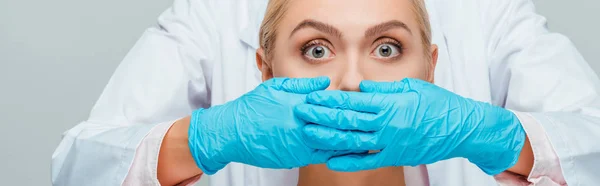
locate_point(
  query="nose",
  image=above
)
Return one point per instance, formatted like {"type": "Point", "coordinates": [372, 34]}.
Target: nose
{"type": "Point", "coordinates": [351, 79]}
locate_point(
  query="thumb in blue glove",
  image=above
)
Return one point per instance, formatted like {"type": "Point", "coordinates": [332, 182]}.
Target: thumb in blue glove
{"type": "Point", "coordinates": [412, 122]}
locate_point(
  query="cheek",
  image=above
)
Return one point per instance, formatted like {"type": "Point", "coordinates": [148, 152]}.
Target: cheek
{"type": "Point", "coordinates": [395, 71]}
{"type": "Point", "coordinates": [296, 67]}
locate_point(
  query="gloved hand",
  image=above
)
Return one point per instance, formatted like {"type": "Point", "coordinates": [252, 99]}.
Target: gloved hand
{"type": "Point", "coordinates": [412, 122]}
{"type": "Point", "coordinates": [258, 128]}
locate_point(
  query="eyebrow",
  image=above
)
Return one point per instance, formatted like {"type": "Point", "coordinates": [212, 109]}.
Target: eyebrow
{"type": "Point", "coordinates": [320, 26]}
{"type": "Point", "coordinates": [385, 26]}
{"type": "Point", "coordinates": [372, 31]}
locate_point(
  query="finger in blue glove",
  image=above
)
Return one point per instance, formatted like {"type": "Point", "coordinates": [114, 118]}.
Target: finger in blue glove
{"type": "Point", "coordinates": [258, 129]}
{"type": "Point", "coordinates": [413, 122]}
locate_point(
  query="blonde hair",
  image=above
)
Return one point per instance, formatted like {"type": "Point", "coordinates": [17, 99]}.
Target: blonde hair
{"type": "Point", "coordinates": [276, 11]}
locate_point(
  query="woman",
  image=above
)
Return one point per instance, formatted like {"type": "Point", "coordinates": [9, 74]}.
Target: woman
{"type": "Point", "coordinates": [202, 54]}
{"type": "Point", "coordinates": [391, 43]}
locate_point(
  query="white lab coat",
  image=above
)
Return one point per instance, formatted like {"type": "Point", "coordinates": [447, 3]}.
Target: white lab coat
{"type": "Point", "coordinates": [203, 53]}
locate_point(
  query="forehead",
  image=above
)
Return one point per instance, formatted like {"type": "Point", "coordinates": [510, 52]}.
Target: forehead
{"type": "Point", "coordinates": [350, 14]}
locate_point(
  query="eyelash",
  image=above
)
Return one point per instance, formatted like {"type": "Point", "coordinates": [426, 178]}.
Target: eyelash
{"type": "Point", "coordinates": [390, 41]}
{"type": "Point", "coordinates": [379, 41]}
{"type": "Point", "coordinates": [312, 43]}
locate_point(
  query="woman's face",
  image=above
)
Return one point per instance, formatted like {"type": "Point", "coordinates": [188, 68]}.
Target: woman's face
{"type": "Point", "coordinates": [349, 41]}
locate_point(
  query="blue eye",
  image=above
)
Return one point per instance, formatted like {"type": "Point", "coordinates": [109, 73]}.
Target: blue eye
{"type": "Point", "coordinates": [386, 51]}
{"type": "Point", "coordinates": [317, 52]}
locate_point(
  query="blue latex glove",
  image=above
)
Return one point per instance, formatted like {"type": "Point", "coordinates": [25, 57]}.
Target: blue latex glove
{"type": "Point", "coordinates": [412, 122]}
{"type": "Point", "coordinates": [257, 129]}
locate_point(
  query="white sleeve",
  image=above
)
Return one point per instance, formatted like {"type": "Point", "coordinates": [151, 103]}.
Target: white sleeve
{"type": "Point", "coordinates": [164, 77]}
{"type": "Point", "coordinates": [541, 73]}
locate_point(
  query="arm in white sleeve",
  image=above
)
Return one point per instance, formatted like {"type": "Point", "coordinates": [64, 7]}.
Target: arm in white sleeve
{"type": "Point", "coordinates": [542, 75]}
{"type": "Point", "coordinates": [164, 77]}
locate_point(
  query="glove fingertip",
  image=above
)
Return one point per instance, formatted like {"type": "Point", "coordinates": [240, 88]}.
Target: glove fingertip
{"type": "Point", "coordinates": [315, 98]}
{"type": "Point", "coordinates": [310, 130]}
{"type": "Point", "coordinates": [303, 85]}
{"type": "Point", "coordinates": [383, 87]}
{"type": "Point", "coordinates": [321, 83]}
{"type": "Point", "coordinates": [320, 157]}
{"type": "Point", "coordinates": [334, 164]}
{"type": "Point", "coordinates": [309, 85]}
{"type": "Point", "coordinates": [367, 86]}
{"type": "Point", "coordinates": [300, 110]}
{"type": "Point", "coordinates": [321, 137]}
{"type": "Point", "coordinates": [343, 164]}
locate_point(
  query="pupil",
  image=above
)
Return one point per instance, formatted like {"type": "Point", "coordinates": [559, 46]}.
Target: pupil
{"type": "Point", "coordinates": [385, 51]}
{"type": "Point", "coordinates": [318, 52]}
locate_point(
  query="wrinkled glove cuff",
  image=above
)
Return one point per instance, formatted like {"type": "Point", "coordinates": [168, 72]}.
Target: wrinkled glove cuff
{"type": "Point", "coordinates": [512, 139]}
{"type": "Point", "coordinates": [198, 149]}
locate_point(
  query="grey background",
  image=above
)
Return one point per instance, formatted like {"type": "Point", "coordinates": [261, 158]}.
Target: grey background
{"type": "Point", "coordinates": [56, 57]}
